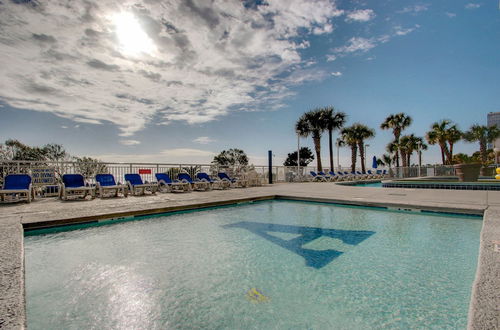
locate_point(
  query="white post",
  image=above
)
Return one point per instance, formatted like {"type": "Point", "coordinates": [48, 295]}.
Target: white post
{"type": "Point", "coordinates": [338, 158]}
{"type": "Point", "coordinates": [419, 159]}
{"type": "Point", "coordinates": [298, 156]}
{"type": "Point", "coordinates": [366, 155]}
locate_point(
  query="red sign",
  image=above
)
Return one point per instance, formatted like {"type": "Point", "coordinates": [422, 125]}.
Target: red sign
{"type": "Point", "coordinates": [144, 171]}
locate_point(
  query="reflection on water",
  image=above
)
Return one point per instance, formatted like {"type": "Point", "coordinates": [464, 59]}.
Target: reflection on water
{"type": "Point", "coordinates": [314, 258]}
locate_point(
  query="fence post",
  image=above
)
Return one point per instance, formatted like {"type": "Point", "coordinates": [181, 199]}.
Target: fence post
{"type": "Point", "coordinates": [270, 170]}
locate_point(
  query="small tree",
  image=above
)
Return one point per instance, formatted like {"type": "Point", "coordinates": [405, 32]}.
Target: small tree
{"type": "Point", "coordinates": [305, 154]}
{"type": "Point", "coordinates": [55, 152]}
{"type": "Point", "coordinates": [21, 151]}
{"type": "Point", "coordinates": [386, 160]}
{"type": "Point", "coordinates": [231, 157]}
{"type": "Point", "coordinates": [89, 167]}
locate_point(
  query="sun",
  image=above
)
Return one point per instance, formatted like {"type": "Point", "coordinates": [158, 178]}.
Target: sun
{"type": "Point", "coordinates": [133, 40]}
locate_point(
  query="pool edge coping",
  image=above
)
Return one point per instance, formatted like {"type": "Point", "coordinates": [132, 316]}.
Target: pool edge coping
{"type": "Point", "coordinates": [474, 321]}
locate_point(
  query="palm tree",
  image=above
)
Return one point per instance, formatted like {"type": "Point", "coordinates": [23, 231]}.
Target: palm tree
{"type": "Point", "coordinates": [334, 120]}
{"type": "Point", "coordinates": [454, 135]}
{"type": "Point", "coordinates": [363, 132]}
{"type": "Point", "coordinates": [387, 160]}
{"type": "Point", "coordinates": [411, 143]}
{"type": "Point", "coordinates": [483, 135]}
{"type": "Point", "coordinates": [392, 148]}
{"type": "Point", "coordinates": [313, 123]}
{"type": "Point", "coordinates": [356, 135]}
{"type": "Point", "coordinates": [398, 123]}
{"type": "Point", "coordinates": [439, 135]}
{"type": "Point", "coordinates": [421, 146]}
{"type": "Point", "coordinates": [349, 138]}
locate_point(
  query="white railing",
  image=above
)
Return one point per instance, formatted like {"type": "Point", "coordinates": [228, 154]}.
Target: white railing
{"type": "Point", "coordinates": [422, 171]}
{"type": "Point", "coordinates": [45, 173]}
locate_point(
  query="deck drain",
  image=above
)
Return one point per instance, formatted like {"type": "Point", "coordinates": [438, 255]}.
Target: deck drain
{"type": "Point", "coordinates": [397, 194]}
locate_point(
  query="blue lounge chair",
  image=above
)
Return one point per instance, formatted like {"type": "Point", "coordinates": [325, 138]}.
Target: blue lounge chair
{"type": "Point", "coordinates": [165, 182]}
{"type": "Point", "coordinates": [106, 183]}
{"type": "Point", "coordinates": [317, 177]}
{"type": "Point", "coordinates": [214, 184]}
{"type": "Point", "coordinates": [234, 182]}
{"type": "Point", "coordinates": [73, 185]}
{"type": "Point", "coordinates": [17, 188]}
{"type": "Point", "coordinates": [335, 177]}
{"type": "Point", "coordinates": [137, 187]}
{"type": "Point", "coordinates": [373, 175]}
{"type": "Point", "coordinates": [195, 184]}
{"type": "Point", "coordinates": [323, 174]}
{"type": "Point", "coordinates": [349, 176]}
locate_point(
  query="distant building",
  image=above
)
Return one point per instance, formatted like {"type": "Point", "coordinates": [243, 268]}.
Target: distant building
{"type": "Point", "coordinates": [494, 119]}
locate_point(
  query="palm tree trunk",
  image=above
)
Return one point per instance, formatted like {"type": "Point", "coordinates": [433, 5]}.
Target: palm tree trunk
{"type": "Point", "coordinates": [330, 137]}
{"type": "Point", "coordinates": [408, 159]}
{"type": "Point", "coordinates": [317, 147]}
{"type": "Point", "coordinates": [484, 157]}
{"type": "Point", "coordinates": [442, 154]}
{"type": "Point", "coordinates": [447, 154]}
{"type": "Point", "coordinates": [397, 134]}
{"type": "Point", "coordinates": [450, 160]}
{"type": "Point", "coordinates": [403, 158]}
{"type": "Point", "coordinates": [396, 157]}
{"type": "Point", "coordinates": [354, 155]}
{"type": "Point", "coordinates": [482, 151]}
{"type": "Point", "coordinates": [362, 156]}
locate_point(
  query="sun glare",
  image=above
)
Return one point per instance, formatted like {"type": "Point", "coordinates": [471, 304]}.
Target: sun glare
{"type": "Point", "coordinates": [133, 40]}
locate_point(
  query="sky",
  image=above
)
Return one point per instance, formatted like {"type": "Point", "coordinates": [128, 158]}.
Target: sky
{"type": "Point", "coordinates": [179, 81]}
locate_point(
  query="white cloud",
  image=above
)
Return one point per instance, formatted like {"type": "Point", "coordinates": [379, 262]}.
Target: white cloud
{"type": "Point", "coordinates": [331, 58]}
{"type": "Point", "coordinates": [450, 15]}
{"type": "Point", "coordinates": [327, 28]}
{"type": "Point", "coordinates": [400, 31]}
{"type": "Point", "coordinates": [203, 140]}
{"type": "Point", "coordinates": [362, 15]}
{"type": "Point", "coordinates": [356, 44]}
{"type": "Point", "coordinates": [71, 58]}
{"type": "Point", "coordinates": [130, 142]}
{"type": "Point", "coordinates": [363, 45]}
{"type": "Point", "coordinates": [336, 74]}
{"type": "Point", "coordinates": [472, 5]}
{"type": "Point", "coordinates": [415, 9]}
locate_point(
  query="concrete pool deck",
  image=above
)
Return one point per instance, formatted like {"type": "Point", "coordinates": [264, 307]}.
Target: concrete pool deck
{"type": "Point", "coordinates": [14, 218]}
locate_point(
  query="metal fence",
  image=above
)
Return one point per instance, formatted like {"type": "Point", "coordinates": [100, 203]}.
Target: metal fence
{"type": "Point", "coordinates": [47, 173]}
{"type": "Point", "coordinates": [422, 171]}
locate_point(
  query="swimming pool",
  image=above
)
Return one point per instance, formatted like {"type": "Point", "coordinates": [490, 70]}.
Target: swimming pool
{"type": "Point", "coordinates": [276, 264]}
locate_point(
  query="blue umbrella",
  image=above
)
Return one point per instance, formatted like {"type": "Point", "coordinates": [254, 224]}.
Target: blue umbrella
{"type": "Point", "coordinates": [374, 162]}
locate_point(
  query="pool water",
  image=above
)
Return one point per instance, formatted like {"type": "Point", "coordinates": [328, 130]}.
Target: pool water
{"type": "Point", "coordinates": [276, 264]}
{"type": "Point", "coordinates": [369, 184]}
